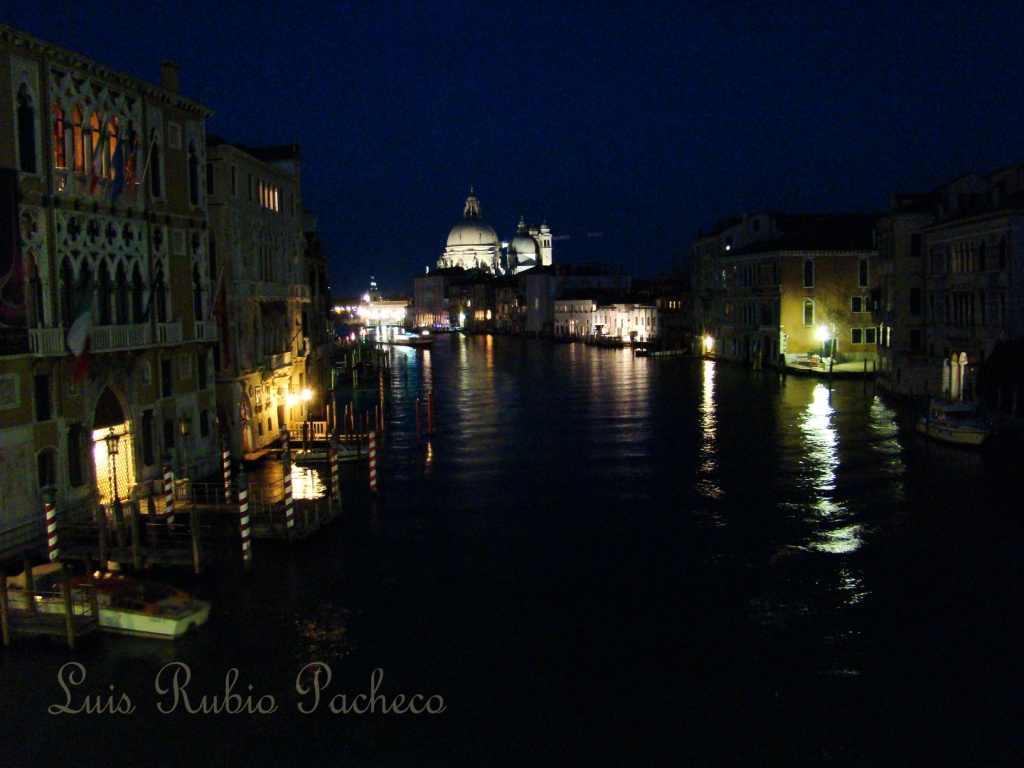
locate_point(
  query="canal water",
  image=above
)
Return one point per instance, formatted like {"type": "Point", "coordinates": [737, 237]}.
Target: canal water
{"type": "Point", "coordinates": [594, 560]}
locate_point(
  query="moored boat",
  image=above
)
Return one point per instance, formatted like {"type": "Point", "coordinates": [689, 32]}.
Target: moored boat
{"type": "Point", "coordinates": [127, 605]}
{"type": "Point", "coordinates": [956, 423]}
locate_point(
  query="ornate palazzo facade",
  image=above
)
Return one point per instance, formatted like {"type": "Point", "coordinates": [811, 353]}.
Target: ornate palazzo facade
{"type": "Point", "coordinates": [104, 222]}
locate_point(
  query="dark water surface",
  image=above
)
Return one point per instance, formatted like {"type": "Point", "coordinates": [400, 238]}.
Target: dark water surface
{"type": "Point", "coordinates": [597, 560]}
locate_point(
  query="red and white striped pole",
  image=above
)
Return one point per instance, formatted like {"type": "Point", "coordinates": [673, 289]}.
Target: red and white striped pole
{"type": "Point", "coordinates": [335, 481]}
{"type": "Point", "coordinates": [286, 467]}
{"type": "Point", "coordinates": [50, 507]}
{"type": "Point", "coordinates": [243, 517]}
{"type": "Point", "coordinates": [168, 490]}
{"type": "Point", "coordinates": [373, 462]}
{"type": "Point", "coordinates": [225, 460]}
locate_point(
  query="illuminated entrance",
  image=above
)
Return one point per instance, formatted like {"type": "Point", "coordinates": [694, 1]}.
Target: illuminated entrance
{"type": "Point", "coordinates": [113, 451]}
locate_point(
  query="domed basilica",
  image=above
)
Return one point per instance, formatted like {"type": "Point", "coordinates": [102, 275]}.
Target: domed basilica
{"type": "Point", "coordinates": [473, 244]}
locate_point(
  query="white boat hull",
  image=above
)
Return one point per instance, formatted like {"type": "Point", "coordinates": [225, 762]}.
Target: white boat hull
{"type": "Point", "coordinates": [950, 432]}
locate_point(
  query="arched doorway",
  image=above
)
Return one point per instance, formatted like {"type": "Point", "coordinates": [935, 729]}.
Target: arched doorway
{"type": "Point", "coordinates": [113, 449]}
{"type": "Point", "coordinates": [957, 367]}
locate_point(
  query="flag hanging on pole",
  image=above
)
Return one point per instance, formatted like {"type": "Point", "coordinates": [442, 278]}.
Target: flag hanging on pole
{"type": "Point", "coordinates": [79, 332]}
{"type": "Point", "coordinates": [117, 162]}
{"type": "Point", "coordinates": [97, 159]}
{"type": "Point", "coordinates": [130, 162]}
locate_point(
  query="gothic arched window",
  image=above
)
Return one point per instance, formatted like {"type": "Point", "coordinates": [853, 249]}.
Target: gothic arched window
{"type": "Point", "coordinates": [26, 132]}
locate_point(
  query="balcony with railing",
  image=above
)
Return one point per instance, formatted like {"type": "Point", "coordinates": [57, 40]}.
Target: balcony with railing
{"type": "Point", "coordinates": [47, 342]}
{"type": "Point", "coordinates": [114, 338]}
{"type": "Point", "coordinates": [279, 361]}
{"type": "Point", "coordinates": [206, 330]}
{"type": "Point", "coordinates": [83, 185]}
{"type": "Point", "coordinates": [168, 333]}
{"type": "Point", "coordinates": [50, 342]}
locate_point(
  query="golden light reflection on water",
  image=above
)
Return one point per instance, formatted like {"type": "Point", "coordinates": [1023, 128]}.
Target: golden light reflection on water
{"type": "Point", "coordinates": [821, 454]}
{"type": "Point", "coordinates": [307, 483]}
{"type": "Point", "coordinates": [324, 634]}
{"type": "Point", "coordinates": [706, 483]}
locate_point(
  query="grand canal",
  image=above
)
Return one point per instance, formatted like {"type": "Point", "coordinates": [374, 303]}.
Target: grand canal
{"type": "Point", "coordinates": [596, 559]}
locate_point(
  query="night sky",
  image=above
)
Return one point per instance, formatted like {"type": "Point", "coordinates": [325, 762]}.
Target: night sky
{"type": "Point", "coordinates": [644, 121]}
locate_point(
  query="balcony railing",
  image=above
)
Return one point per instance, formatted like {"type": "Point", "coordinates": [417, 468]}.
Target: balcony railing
{"type": "Point", "coordinates": [279, 361]}
{"type": "Point", "coordinates": [78, 184]}
{"type": "Point", "coordinates": [168, 333]}
{"type": "Point", "coordinates": [50, 342]}
{"type": "Point", "coordinates": [47, 342]}
{"type": "Point", "coordinates": [206, 330]}
{"type": "Point", "coordinates": [111, 338]}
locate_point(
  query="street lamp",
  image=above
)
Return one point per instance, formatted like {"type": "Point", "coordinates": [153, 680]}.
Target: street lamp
{"type": "Point", "coordinates": [185, 425]}
{"type": "Point", "coordinates": [827, 337]}
{"type": "Point", "coordinates": [112, 440]}
{"type": "Point", "coordinates": [306, 426]}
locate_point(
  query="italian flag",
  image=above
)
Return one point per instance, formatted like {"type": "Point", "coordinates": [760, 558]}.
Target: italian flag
{"type": "Point", "coordinates": [78, 333]}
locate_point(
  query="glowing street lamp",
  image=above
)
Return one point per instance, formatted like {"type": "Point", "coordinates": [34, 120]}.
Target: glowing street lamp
{"type": "Point", "coordinates": [307, 427]}
{"type": "Point", "coordinates": [185, 426]}
{"type": "Point", "coordinates": [826, 336]}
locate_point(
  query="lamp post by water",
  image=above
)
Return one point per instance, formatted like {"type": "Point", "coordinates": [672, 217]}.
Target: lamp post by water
{"type": "Point", "coordinates": [307, 427]}
{"type": "Point", "coordinates": [827, 337]}
{"type": "Point", "coordinates": [185, 426]}
{"type": "Point", "coordinates": [113, 448]}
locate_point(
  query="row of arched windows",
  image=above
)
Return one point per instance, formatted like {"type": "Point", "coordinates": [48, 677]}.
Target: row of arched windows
{"type": "Point", "coordinates": [86, 155]}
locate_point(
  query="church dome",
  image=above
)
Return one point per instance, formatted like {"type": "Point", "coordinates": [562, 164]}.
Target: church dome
{"type": "Point", "coordinates": [523, 246]}
{"type": "Point", "coordinates": [523, 249]}
{"type": "Point", "coordinates": [476, 232]}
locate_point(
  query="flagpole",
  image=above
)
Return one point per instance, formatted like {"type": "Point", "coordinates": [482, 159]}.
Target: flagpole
{"type": "Point", "coordinates": [149, 155]}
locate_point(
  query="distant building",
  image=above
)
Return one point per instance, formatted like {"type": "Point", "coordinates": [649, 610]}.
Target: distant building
{"type": "Point", "coordinates": [472, 242]}
{"type": "Point", "coordinates": [474, 245]}
{"type": "Point", "coordinates": [777, 284]}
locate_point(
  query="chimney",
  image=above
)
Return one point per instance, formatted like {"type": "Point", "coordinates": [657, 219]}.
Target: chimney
{"type": "Point", "coordinates": [169, 76]}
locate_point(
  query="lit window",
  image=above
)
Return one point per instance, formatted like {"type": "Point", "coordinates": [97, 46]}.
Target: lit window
{"type": "Point", "coordinates": [808, 312]}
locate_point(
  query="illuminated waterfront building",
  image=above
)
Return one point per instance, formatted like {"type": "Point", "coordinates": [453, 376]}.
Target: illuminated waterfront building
{"type": "Point", "coordinates": [105, 287]}
{"type": "Point", "coordinates": [272, 291]}
{"type": "Point", "coordinates": [770, 284]}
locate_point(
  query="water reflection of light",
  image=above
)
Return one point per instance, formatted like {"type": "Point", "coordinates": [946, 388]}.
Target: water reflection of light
{"type": "Point", "coordinates": [709, 428]}
{"type": "Point", "coordinates": [306, 483]}
{"type": "Point", "coordinates": [325, 634]}
{"type": "Point", "coordinates": [835, 534]}
{"type": "Point", "coordinates": [821, 439]}
{"type": "Point", "coordinates": [428, 370]}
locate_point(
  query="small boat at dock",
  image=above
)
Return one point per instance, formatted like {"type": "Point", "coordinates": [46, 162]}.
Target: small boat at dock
{"type": "Point", "coordinates": [127, 605]}
{"type": "Point", "coordinates": [954, 422]}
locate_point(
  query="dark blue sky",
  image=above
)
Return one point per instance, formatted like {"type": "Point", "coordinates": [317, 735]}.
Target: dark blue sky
{"type": "Point", "coordinates": [646, 121]}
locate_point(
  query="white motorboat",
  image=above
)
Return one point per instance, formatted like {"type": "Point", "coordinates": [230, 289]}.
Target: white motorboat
{"type": "Point", "coordinates": [126, 605]}
{"type": "Point", "coordinates": [955, 422]}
